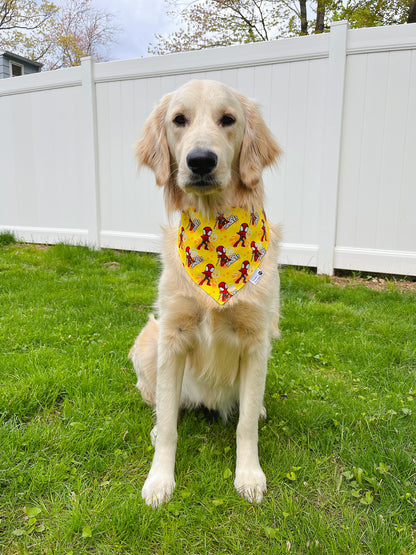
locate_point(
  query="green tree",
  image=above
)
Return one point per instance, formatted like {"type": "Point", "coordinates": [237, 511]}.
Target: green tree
{"type": "Point", "coordinates": [210, 23]}
{"type": "Point", "coordinates": [25, 15]}
{"type": "Point", "coordinates": [373, 13]}
{"type": "Point", "coordinates": [57, 36]}
{"type": "Point", "coordinates": [79, 30]}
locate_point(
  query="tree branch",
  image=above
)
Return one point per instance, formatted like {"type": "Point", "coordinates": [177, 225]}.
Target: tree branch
{"type": "Point", "coordinates": [303, 18]}
{"type": "Point", "coordinates": [262, 21]}
{"type": "Point", "coordinates": [412, 13]}
{"type": "Point", "coordinates": [249, 23]}
{"type": "Point", "coordinates": [320, 16]}
{"type": "Point", "coordinates": [6, 13]}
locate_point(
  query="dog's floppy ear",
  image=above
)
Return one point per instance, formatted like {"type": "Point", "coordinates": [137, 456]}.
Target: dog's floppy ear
{"type": "Point", "coordinates": [259, 149]}
{"type": "Point", "coordinates": [152, 148]}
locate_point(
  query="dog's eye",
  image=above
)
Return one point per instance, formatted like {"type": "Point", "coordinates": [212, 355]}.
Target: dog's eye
{"type": "Point", "coordinates": [227, 120]}
{"type": "Point", "coordinates": [179, 120]}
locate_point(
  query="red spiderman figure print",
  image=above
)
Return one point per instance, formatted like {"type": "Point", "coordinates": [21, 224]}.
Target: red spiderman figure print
{"type": "Point", "coordinates": [255, 251]}
{"type": "Point", "coordinates": [193, 224]}
{"type": "Point", "coordinates": [209, 268]}
{"type": "Point", "coordinates": [222, 256]}
{"type": "Point", "coordinates": [221, 220]}
{"type": "Point", "coordinates": [263, 227]}
{"type": "Point", "coordinates": [224, 293]}
{"type": "Point", "coordinates": [205, 238]}
{"type": "Point", "coordinates": [189, 259]}
{"type": "Point", "coordinates": [243, 272]}
{"type": "Point", "coordinates": [243, 235]}
{"type": "Point", "coordinates": [181, 237]}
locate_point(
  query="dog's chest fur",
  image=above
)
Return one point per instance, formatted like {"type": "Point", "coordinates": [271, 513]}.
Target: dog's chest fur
{"type": "Point", "coordinates": [215, 337]}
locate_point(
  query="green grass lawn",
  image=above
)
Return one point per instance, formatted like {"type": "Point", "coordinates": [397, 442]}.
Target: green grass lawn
{"type": "Point", "coordinates": [338, 447]}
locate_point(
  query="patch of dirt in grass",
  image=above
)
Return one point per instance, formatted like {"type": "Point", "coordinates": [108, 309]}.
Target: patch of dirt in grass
{"type": "Point", "coordinates": [41, 247]}
{"type": "Point", "coordinates": [377, 283]}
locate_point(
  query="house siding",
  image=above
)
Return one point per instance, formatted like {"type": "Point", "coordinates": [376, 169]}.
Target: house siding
{"type": "Point", "coordinates": [6, 58]}
{"type": "Point", "coordinates": [28, 68]}
{"type": "Point", "coordinates": [4, 67]}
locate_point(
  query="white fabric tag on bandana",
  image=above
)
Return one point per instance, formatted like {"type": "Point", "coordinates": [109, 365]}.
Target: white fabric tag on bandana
{"type": "Point", "coordinates": [256, 277]}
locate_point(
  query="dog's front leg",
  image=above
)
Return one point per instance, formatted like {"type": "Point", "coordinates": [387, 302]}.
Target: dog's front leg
{"type": "Point", "coordinates": [160, 482]}
{"type": "Point", "coordinates": [250, 480]}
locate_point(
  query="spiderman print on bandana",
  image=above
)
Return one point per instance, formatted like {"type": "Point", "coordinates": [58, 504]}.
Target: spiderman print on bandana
{"type": "Point", "coordinates": [231, 252]}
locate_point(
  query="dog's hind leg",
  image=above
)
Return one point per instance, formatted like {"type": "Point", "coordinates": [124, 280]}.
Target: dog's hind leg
{"type": "Point", "coordinates": [143, 354]}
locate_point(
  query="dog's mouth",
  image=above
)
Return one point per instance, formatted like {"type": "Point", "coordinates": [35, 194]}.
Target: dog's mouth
{"type": "Point", "coordinates": [202, 184]}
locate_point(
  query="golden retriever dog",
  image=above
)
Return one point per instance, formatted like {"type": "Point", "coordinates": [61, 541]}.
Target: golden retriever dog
{"type": "Point", "coordinates": [208, 146]}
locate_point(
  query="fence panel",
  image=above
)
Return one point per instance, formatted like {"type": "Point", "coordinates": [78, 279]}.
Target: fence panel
{"type": "Point", "coordinates": [376, 229]}
{"type": "Point", "coordinates": [340, 104]}
{"type": "Point", "coordinates": [44, 163]}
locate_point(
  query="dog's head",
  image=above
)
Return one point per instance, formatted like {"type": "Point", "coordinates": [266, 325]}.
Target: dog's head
{"type": "Point", "coordinates": [206, 141]}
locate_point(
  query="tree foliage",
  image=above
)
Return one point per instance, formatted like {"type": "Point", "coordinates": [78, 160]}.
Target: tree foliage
{"type": "Point", "coordinates": [80, 30]}
{"type": "Point", "coordinates": [373, 13]}
{"type": "Point", "coordinates": [25, 14]}
{"type": "Point", "coordinates": [57, 36]}
{"type": "Point", "coordinates": [210, 23]}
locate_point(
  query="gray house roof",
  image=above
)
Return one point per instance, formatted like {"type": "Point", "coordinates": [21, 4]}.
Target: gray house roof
{"type": "Point", "coordinates": [8, 60]}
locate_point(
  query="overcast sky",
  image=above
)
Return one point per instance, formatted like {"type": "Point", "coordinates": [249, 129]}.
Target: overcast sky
{"type": "Point", "coordinates": [138, 20]}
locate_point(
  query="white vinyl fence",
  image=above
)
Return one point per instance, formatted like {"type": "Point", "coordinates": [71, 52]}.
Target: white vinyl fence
{"type": "Point", "coordinates": [342, 105]}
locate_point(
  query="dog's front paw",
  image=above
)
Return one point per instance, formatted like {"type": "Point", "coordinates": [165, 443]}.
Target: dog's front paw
{"type": "Point", "coordinates": [157, 489]}
{"type": "Point", "coordinates": [251, 484]}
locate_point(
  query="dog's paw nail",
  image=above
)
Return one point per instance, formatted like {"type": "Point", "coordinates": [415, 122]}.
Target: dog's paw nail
{"type": "Point", "coordinates": [157, 490]}
{"type": "Point", "coordinates": [251, 485]}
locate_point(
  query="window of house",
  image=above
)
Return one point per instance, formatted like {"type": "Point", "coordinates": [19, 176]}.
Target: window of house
{"type": "Point", "coordinates": [16, 69]}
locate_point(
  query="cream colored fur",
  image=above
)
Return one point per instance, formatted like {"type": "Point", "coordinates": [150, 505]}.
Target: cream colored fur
{"type": "Point", "coordinates": [199, 352]}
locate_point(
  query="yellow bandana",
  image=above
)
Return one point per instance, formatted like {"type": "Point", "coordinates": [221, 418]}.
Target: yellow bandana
{"type": "Point", "coordinates": [221, 255]}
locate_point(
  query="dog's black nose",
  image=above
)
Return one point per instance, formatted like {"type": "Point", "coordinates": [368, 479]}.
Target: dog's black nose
{"type": "Point", "coordinates": [201, 162]}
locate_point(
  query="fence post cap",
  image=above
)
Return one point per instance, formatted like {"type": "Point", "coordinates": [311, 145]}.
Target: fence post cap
{"type": "Point", "coordinates": [342, 23]}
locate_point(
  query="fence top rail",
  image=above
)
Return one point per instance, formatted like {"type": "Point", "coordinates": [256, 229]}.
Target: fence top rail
{"type": "Point", "coordinates": [382, 39]}
{"type": "Point", "coordinates": [47, 80]}
{"type": "Point", "coordinates": [377, 39]}
{"type": "Point", "coordinates": [215, 59]}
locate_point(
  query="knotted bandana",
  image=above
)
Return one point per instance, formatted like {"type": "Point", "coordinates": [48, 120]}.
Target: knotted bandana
{"type": "Point", "coordinates": [222, 254]}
